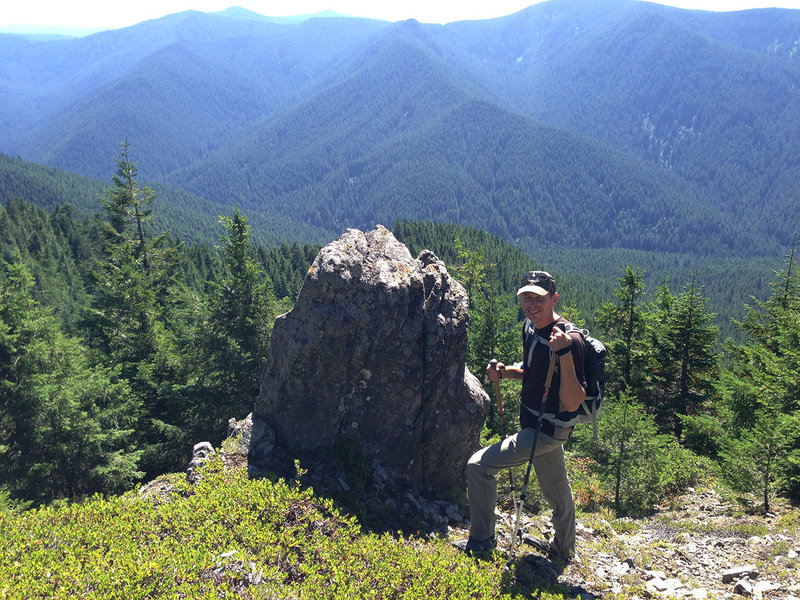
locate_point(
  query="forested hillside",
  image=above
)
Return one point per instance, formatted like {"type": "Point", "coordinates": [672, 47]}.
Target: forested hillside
{"type": "Point", "coordinates": [120, 347]}
{"type": "Point", "coordinates": [613, 124]}
{"type": "Point", "coordinates": [709, 96]}
{"type": "Point", "coordinates": [729, 281]}
{"type": "Point", "coordinates": [187, 216]}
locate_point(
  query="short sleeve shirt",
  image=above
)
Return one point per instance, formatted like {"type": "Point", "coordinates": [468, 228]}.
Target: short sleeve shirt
{"type": "Point", "coordinates": [536, 359]}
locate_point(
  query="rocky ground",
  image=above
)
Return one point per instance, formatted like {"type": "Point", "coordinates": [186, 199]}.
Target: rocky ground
{"type": "Point", "coordinates": [698, 547]}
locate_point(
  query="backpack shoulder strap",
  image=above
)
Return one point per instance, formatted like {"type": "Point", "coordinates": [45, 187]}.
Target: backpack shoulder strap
{"type": "Point", "coordinates": [530, 331]}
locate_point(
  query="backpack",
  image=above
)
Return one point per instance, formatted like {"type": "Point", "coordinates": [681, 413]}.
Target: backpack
{"type": "Point", "coordinates": [594, 369]}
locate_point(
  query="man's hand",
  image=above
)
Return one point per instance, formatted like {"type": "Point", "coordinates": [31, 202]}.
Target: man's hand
{"type": "Point", "coordinates": [494, 370]}
{"type": "Point", "coordinates": [559, 340]}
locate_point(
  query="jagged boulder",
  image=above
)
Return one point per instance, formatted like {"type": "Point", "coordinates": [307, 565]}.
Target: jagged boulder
{"type": "Point", "coordinates": [374, 350]}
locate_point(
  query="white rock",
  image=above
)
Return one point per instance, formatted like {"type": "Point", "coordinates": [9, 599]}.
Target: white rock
{"type": "Point", "coordinates": [765, 586]}
{"type": "Point", "coordinates": [737, 572]}
{"type": "Point", "coordinates": [743, 587]}
{"type": "Point", "coordinates": [620, 569]}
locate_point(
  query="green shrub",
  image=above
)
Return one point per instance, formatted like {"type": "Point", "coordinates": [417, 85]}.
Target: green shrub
{"type": "Point", "coordinates": [233, 537]}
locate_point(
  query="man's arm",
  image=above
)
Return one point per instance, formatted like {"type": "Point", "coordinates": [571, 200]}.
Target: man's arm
{"type": "Point", "coordinates": [571, 392]}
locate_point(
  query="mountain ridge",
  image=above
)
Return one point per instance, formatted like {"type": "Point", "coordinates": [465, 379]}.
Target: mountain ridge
{"type": "Point", "coordinates": [304, 107]}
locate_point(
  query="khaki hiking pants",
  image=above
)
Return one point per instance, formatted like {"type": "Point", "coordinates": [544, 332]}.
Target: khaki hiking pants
{"type": "Point", "coordinates": [551, 472]}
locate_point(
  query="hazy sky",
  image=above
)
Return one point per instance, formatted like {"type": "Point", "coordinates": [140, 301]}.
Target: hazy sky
{"type": "Point", "coordinates": [117, 13]}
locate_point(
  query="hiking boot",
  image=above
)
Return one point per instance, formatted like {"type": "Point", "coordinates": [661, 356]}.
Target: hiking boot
{"type": "Point", "coordinates": [547, 548]}
{"type": "Point", "coordinates": [472, 546]}
{"type": "Point", "coordinates": [538, 543]}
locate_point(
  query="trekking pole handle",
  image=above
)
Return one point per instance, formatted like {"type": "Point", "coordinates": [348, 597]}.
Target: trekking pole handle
{"type": "Point", "coordinates": [493, 364]}
{"type": "Point", "coordinates": [550, 369]}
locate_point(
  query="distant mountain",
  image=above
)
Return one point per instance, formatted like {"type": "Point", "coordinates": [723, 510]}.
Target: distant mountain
{"type": "Point", "coordinates": [596, 124]}
{"type": "Point", "coordinates": [712, 97]}
{"type": "Point", "coordinates": [237, 12]}
{"type": "Point", "coordinates": [189, 217]}
{"type": "Point", "coordinates": [45, 31]}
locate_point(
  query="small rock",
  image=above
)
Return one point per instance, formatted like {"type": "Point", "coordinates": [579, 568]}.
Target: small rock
{"type": "Point", "coordinates": [620, 569]}
{"type": "Point", "coordinates": [542, 566]}
{"type": "Point", "coordinates": [739, 572]}
{"type": "Point", "coordinates": [454, 515]}
{"type": "Point", "coordinates": [667, 587]}
{"type": "Point", "coordinates": [413, 501]}
{"type": "Point", "coordinates": [743, 587]}
{"type": "Point", "coordinates": [765, 586]}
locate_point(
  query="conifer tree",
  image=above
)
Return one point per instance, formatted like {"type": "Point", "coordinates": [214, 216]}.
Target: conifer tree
{"type": "Point", "coordinates": [761, 390]}
{"type": "Point", "coordinates": [65, 426]}
{"type": "Point", "coordinates": [493, 328]}
{"type": "Point", "coordinates": [631, 452]}
{"type": "Point", "coordinates": [130, 317]}
{"type": "Point", "coordinates": [684, 364]}
{"type": "Point", "coordinates": [624, 323]}
{"type": "Point", "coordinates": [236, 338]}
{"type": "Point", "coordinates": [755, 462]}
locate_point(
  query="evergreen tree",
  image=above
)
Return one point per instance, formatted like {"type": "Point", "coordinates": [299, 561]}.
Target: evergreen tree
{"type": "Point", "coordinates": [761, 390]}
{"type": "Point", "coordinates": [493, 327]}
{"type": "Point", "coordinates": [470, 271]}
{"type": "Point", "coordinates": [684, 363]}
{"type": "Point", "coordinates": [755, 461]}
{"type": "Point", "coordinates": [236, 338]}
{"type": "Point", "coordinates": [625, 325]}
{"type": "Point", "coordinates": [629, 448]}
{"type": "Point", "coordinates": [129, 322]}
{"type": "Point", "coordinates": [636, 463]}
{"type": "Point", "coordinates": [66, 426]}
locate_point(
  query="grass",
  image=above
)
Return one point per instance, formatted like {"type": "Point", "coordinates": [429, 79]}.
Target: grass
{"type": "Point", "coordinates": [233, 537]}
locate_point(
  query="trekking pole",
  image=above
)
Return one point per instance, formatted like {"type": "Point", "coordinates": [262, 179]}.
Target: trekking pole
{"type": "Point", "coordinates": [522, 495]}
{"type": "Point", "coordinates": [498, 395]}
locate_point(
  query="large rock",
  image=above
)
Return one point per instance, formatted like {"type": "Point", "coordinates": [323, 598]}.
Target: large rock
{"type": "Point", "coordinates": [374, 350]}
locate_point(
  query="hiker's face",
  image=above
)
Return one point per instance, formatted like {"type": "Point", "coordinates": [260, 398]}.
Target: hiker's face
{"type": "Point", "coordinates": [539, 309]}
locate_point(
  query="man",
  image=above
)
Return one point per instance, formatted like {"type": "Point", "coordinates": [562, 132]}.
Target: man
{"type": "Point", "coordinates": [543, 334]}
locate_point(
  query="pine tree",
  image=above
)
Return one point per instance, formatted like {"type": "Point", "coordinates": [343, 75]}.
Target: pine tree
{"type": "Point", "coordinates": [493, 327]}
{"type": "Point", "coordinates": [761, 390]}
{"type": "Point", "coordinates": [66, 426]}
{"type": "Point", "coordinates": [755, 461]}
{"type": "Point", "coordinates": [624, 323]}
{"type": "Point", "coordinates": [236, 338]}
{"type": "Point", "coordinates": [684, 363]}
{"type": "Point", "coordinates": [631, 451]}
{"type": "Point", "coordinates": [129, 322]}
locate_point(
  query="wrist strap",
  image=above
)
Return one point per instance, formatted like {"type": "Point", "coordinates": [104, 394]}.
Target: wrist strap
{"type": "Point", "coordinates": [564, 351]}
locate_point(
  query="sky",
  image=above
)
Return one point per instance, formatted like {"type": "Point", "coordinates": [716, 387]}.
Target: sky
{"type": "Point", "coordinates": [116, 14]}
